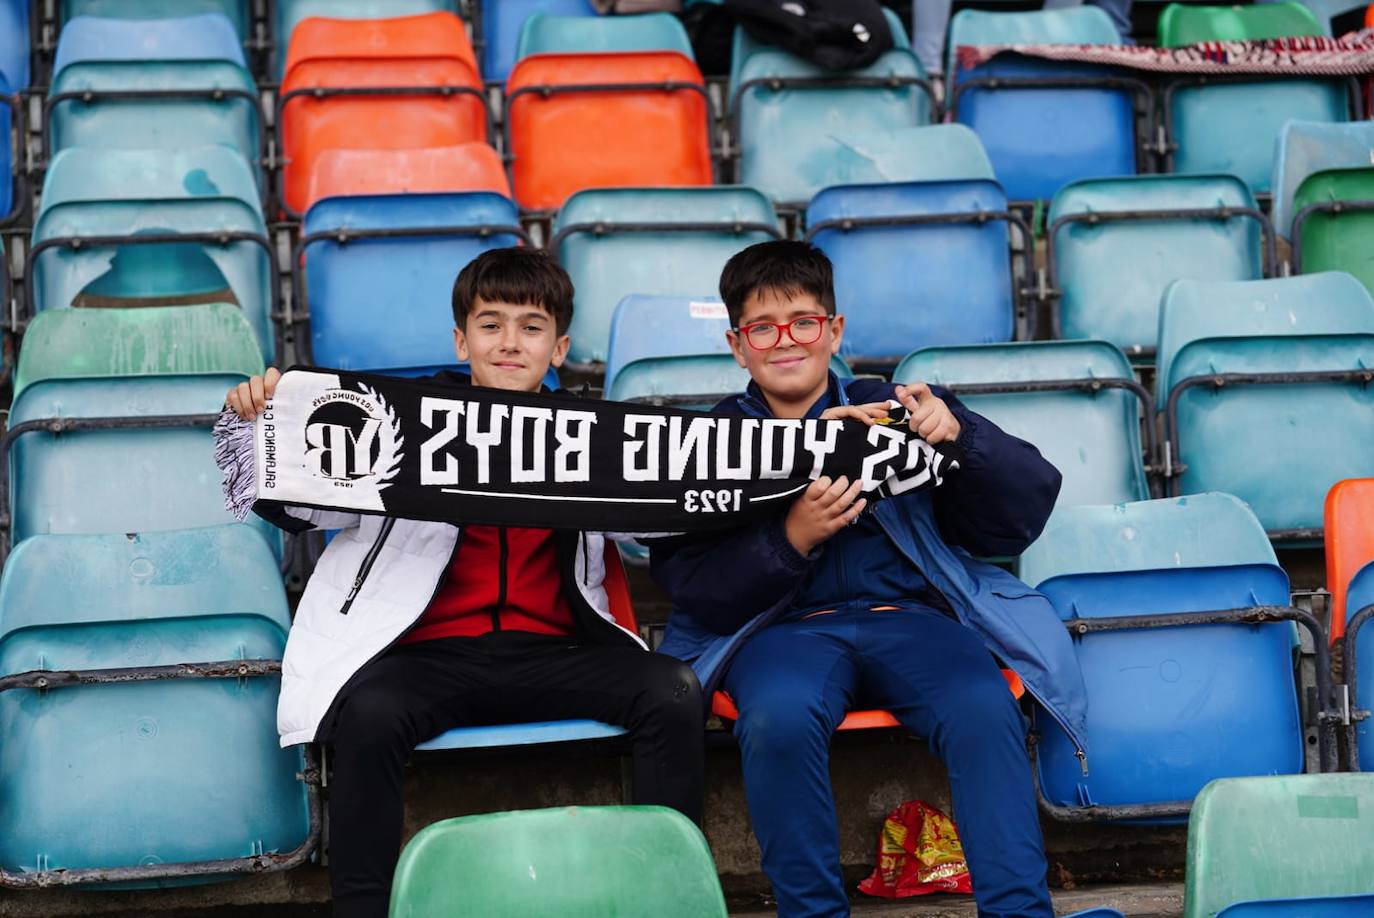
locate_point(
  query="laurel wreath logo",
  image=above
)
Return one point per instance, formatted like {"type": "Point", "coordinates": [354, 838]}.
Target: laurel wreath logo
{"type": "Point", "coordinates": [389, 450]}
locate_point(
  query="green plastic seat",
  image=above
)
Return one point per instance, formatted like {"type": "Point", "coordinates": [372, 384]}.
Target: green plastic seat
{"type": "Point", "coordinates": [1307, 147]}
{"type": "Point", "coordinates": [1331, 241]}
{"type": "Point", "coordinates": [691, 233]}
{"type": "Point", "coordinates": [1092, 437]}
{"type": "Point", "coordinates": [578, 862]}
{"type": "Point", "coordinates": [201, 190]}
{"type": "Point", "coordinates": [1112, 273]}
{"type": "Point", "coordinates": [144, 773]}
{"type": "Point", "coordinates": [1186, 23]}
{"type": "Point", "coordinates": [156, 341]}
{"type": "Point", "coordinates": [1279, 837]}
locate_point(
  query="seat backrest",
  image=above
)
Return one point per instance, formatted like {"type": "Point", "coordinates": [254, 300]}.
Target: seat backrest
{"type": "Point", "coordinates": [503, 23]}
{"type": "Point", "coordinates": [1201, 530]}
{"type": "Point", "coordinates": [292, 13]}
{"type": "Point", "coordinates": [152, 341]}
{"type": "Point", "coordinates": [555, 861]}
{"type": "Point", "coordinates": [14, 45]}
{"type": "Point", "coordinates": [609, 259]}
{"type": "Point", "coordinates": [1077, 25]}
{"type": "Point", "coordinates": [743, 44]}
{"type": "Point", "coordinates": [92, 39]}
{"type": "Point", "coordinates": [917, 285]}
{"type": "Point", "coordinates": [238, 12]}
{"type": "Point", "coordinates": [558, 139]}
{"type": "Point", "coordinates": [1243, 832]}
{"type": "Point", "coordinates": [357, 289]}
{"type": "Point", "coordinates": [1112, 273]}
{"type": "Point", "coordinates": [1093, 438]}
{"type": "Point", "coordinates": [429, 170]}
{"type": "Point", "coordinates": [1337, 241]}
{"type": "Point", "coordinates": [1356, 906]}
{"type": "Point", "coordinates": [549, 33]}
{"type": "Point", "coordinates": [1349, 523]}
{"type": "Point", "coordinates": [1306, 147]}
{"type": "Point", "coordinates": [1187, 23]}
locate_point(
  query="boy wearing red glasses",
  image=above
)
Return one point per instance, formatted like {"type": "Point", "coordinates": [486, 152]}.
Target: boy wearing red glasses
{"type": "Point", "coordinates": [834, 605]}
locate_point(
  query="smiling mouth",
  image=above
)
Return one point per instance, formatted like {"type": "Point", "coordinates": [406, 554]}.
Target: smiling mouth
{"type": "Point", "coordinates": [506, 365]}
{"type": "Point", "coordinates": [788, 362]}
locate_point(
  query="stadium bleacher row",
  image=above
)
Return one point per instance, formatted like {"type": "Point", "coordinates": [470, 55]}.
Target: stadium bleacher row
{"type": "Point", "coordinates": [1165, 284]}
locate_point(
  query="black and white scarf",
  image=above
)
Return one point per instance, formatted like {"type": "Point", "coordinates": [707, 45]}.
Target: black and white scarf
{"type": "Point", "coordinates": [427, 450]}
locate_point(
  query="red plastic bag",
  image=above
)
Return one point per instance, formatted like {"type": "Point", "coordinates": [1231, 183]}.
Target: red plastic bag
{"type": "Point", "coordinates": [918, 853]}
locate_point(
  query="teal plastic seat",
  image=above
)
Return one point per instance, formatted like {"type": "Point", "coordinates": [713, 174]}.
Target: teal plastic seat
{"type": "Point", "coordinates": [1284, 837]}
{"type": "Point", "coordinates": [668, 241]}
{"type": "Point", "coordinates": [238, 12]}
{"type": "Point", "coordinates": [577, 862]}
{"type": "Point", "coordinates": [544, 33]}
{"type": "Point", "coordinates": [148, 773]}
{"type": "Point", "coordinates": [792, 135]}
{"type": "Point", "coordinates": [1254, 438]}
{"type": "Point", "coordinates": [124, 480]}
{"type": "Point", "coordinates": [289, 13]}
{"type": "Point", "coordinates": [1091, 435]}
{"type": "Point", "coordinates": [200, 192]}
{"type": "Point", "coordinates": [1112, 271]}
{"type": "Point", "coordinates": [1308, 147]}
{"type": "Point", "coordinates": [200, 53]}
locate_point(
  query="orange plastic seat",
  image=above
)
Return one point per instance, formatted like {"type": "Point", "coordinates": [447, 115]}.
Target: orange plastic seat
{"type": "Point", "coordinates": [723, 706]}
{"type": "Point", "coordinates": [431, 170]}
{"type": "Point", "coordinates": [345, 88]}
{"type": "Point", "coordinates": [1349, 523]}
{"type": "Point", "coordinates": [645, 124]}
{"type": "Point", "coordinates": [1369, 17]}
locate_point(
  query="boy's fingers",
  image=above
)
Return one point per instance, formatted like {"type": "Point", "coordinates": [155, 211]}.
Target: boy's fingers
{"type": "Point", "coordinates": [817, 488]}
{"type": "Point", "coordinates": [245, 401]}
{"type": "Point", "coordinates": [834, 492]}
{"type": "Point", "coordinates": [930, 425]}
{"type": "Point", "coordinates": [259, 400]}
{"type": "Point", "coordinates": [269, 381]}
{"type": "Point", "coordinates": [854, 510]}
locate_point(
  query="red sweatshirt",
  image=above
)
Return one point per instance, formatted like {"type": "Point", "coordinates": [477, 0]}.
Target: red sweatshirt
{"type": "Point", "coordinates": [501, 579]}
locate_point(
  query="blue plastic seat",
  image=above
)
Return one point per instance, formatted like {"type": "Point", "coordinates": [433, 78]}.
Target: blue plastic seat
{"type": "Point", "coordinates": [289, 13]}
{"type": "Point", "coordinates": [1041, 138]}
{"type": "Point", "coordinates": [200, 193]}
{"type": "Point", "coordinates": [1092, 435]}
{"type": "Point", "coordinates": [1255, 439]}
{"type": "Point", "coordinates": [1360, 662]}
{"type": "Point", "coordinates": [384, 303]}
{"type": "Point", "coordinates": [11, 194]}
{"type": "Point", "coordinates": [1317, 907]}
{"type": "Point", "coordinates": [197, 53]}
{"type": "Point", "coordinates": [667, 241]}
{"type": "Point", "coordinates": [238, 12]}
{"type": "Point", "coordinates": [550, 33]}
{"type": "Point", "coordinates": [502, 22]}
{"type": "Point", "coordinates": [790, 118]}
{"type": "Point", "coordinates": [1170, 706]}
{"type": "Point", "coordinates": [1111, 270]}
{"type": "Point", "coordinates": [147, 773]}
{"type": "Point", "coordinates": [14, 44]}
{"type": "Point", "coordinates": [1308, 147]}
{"type": "Point", "coordinates": [918, 283]}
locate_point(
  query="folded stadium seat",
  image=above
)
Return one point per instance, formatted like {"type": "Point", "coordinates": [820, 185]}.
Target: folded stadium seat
{"type": "Point", "coordinates": [1230, 125]}
{"type": "Point", "coordinates": [386, 263]}
{"type": "Point", "coordinates": [919, 264]}
{"type": "Point", "coordinates": [112, 770]}
{"type": "Point", "coordinates": [789, 117]}
{"type": "Point", "coordinates": [1251, 375]}
{"type": "Point", "coordinates": [238, 12]}
{"type": "Point", "coordinates": [502, 21]}
{"type": "Point", "coordinates": [1044, 123]}
{"type": "Point", "coordinates": [12, 185]}
{"type": "Point", "coordinates": [290, 13]}
{"type": "Point", "coordinates": [1077, 401]}
{"type": "Point", "coordinates": [163, 83]}
{"type": "Point", "coordinates": [1349, 543]}
{"type": "Point", "coordinates": [116, 438]}
{"type": "Point", "coordinates": [1332, 221]}
{"type": "Point", "coordinates": [669, 241]}
{"type": "Point", "coordinates": [390, 84]}
{"type": "Point", "coordinates": [545, 33]}
{"type": "Point", "coordinates": [1305, 147]}
{"type": "Point", "coordinates": [1245, 832]}
{"type": "Point", "coordinates": [1165, 600]}
{"type": "Point", "coordinates": [1115, 244]}
{"type": "Point", "coordinates": [428, 170]}
{"type": "Point", "coordinates": [550, 731]}
{"type": "Point", "coordinates": [555, 862]}
{"type": "Point", "coordinates": [556, 131]}
{"type": "Point", "coordinates": [14, 44]}
{"type": "Point", "coordinates": [1369, 17]}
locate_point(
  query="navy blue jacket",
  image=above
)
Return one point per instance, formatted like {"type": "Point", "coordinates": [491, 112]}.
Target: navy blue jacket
{"type": "Point", "coordinates": [728, 586]}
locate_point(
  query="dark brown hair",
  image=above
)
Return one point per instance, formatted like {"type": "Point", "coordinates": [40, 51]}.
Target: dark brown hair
{"type": "Point", "coordinates": [784, 267]}
{"type": "Point", "coordinates": [519, 276]}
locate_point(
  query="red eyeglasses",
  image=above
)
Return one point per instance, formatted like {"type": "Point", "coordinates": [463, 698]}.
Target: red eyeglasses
{"type": "Point", "coordinates": [765, 335]}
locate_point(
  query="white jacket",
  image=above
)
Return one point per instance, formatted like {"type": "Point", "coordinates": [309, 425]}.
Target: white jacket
{"type": "Point", "coordinates": [373, 583]}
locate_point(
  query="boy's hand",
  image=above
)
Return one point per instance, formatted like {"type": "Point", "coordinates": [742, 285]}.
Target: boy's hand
{"type": "Point", "coordinates": [866, 413]}
{"type": "Point", "coordinates": [930, 416]}
{"type": "Point", "coordinates": [248, 398]}
{"type": "Point", "coordinates": [823, 509]}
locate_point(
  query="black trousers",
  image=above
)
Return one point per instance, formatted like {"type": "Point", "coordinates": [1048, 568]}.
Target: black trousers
{"type": "Point", "coordinates": [416, 691]}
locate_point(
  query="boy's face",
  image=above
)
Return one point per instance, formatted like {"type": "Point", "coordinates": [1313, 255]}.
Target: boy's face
{"type": "Point", "coordinates": [787, 372]}
{"type": "Point", "coordinates": [509, 346]}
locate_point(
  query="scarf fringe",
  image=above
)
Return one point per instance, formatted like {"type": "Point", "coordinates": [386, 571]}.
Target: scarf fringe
{"type": "Point", "coordinates": [237, 458]}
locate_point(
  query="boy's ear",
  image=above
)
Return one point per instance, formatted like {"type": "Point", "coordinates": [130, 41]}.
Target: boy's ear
{"type": "Point", "coordinates": [836, 333]}
{"type": "Point", "coordinates": [460, 344]}
{"type": "Point", "coordinates": [736, 347]}
{"type": "Point", "coordinates": [560, 351]}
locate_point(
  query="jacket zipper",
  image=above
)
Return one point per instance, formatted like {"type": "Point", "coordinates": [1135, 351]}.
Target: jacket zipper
{"type": "Point", "coordinates": [503, 563]}
{"type": "Point", "coordinates": [368, 560]}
